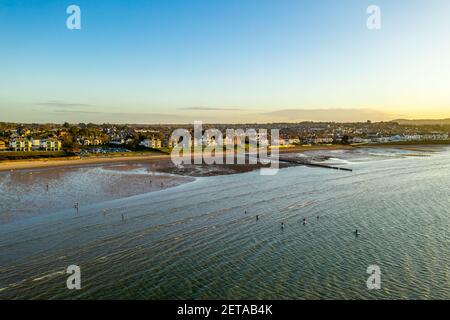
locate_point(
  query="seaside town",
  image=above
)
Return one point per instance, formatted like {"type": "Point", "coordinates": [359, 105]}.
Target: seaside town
{"type": "Point", "coordinates": [84, 139]}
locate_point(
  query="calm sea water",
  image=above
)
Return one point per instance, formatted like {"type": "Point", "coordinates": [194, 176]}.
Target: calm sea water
{"type": "Point", "coordinates": [195, 241]}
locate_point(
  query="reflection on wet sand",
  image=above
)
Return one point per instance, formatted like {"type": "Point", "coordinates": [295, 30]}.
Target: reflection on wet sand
{"type": "Point", "coordinates": [27, 193]}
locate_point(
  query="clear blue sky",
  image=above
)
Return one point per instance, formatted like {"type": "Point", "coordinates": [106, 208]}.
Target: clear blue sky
{"type": "Point", "coordinates": [221, 60]}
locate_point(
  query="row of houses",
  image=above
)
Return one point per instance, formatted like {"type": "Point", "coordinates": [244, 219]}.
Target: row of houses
{"type": "Point", "coordinates": [402, 138]}
{"type": "Point", "coordinates": [261, 139]}
{"type": "Point", "coordinates": [22, 144]}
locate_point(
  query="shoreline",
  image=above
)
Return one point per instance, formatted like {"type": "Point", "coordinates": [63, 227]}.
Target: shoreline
{"type": "Point", "coordinates": [124, 176]}
{"type": "Point", "coordinates": [8, 165]}
{"type": "Point", "coordinates": [12, 165]}
{"type": "Point", "coordinates": [78, 161]}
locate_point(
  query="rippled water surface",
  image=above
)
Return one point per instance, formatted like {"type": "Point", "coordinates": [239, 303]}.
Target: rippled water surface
{"type": "Point", "coordinates": [201, 240]}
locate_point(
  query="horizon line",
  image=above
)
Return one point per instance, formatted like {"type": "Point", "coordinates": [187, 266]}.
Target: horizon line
{"type": "Point", "coordinates": [223, 123]}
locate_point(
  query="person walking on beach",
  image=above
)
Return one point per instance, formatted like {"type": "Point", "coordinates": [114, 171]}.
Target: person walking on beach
{"type": "Point", "coordinates": [76, 206]}
{"type": "Point", "coordinates": [257, 217]}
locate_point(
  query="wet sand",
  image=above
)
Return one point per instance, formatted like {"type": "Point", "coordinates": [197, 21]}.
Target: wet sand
{"type": "Point", "coordinates": [77, 161]}
{"type": "Point", "coordinates": [36, 191]}
{"type": "Point", "coordinates": [74, 161]}
{"type": "Point", "coordinates": [26, 193]}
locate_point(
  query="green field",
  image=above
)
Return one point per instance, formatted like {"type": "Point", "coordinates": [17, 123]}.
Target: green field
{"type": "Point", "coordinates": [13, 155]}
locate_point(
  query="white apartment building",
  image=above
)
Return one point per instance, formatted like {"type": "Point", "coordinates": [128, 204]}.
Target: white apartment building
{"type": "Point", "coordinates": [151, 143]}
{"type": "Point", "coordinates": [20, 144]}
{"type": "Point", "coordinates": [51, 145]}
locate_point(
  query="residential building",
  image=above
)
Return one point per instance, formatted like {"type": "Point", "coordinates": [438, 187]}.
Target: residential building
{"type": "Point", "coordinates": [35, 144]}
{"type": "Point", "coordinates": [90, 142]}
{"type": "Point", "coordinates": [151, 143]}
{"type": "Point", "coordinates": [169, 143]}
{"type": "Point", "coordinates": [20, 144]}
{"type": "Point", "coordinates": [97, 142]}
{"type": "Point", "coordinates": [51, 145]}
{"type": "Point", "coordinates": [360, 140]}
{"type": "Point", "coordinates": [323, 140]}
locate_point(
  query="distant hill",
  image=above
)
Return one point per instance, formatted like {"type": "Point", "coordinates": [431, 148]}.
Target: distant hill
{"type": "Point", "coordinates": [423, 122]}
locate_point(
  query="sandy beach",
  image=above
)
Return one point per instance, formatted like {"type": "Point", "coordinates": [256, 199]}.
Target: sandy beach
{"type": "Point", "coordinates": [164, 159]}
{"type": "Point", "coordinates": [79, 161]}
{"type": "Point", "coordinates": [74, 161]}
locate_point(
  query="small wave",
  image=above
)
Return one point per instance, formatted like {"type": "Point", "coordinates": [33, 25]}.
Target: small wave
{"type": "Point", "coordinates": [50, 275]}
{"type": "Point", "coordinates": [301, 205]}
{"type": "Point", "coordinates": [341, 161]}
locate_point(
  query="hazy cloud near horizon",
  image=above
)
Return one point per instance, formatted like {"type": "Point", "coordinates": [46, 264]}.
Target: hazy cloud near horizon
{"type": "Point", "coordinates": [61, 104]}
{"type": "Point", "coordinates": [118, 117]}
{"type": "Point", "coordinates": [337, 115]}
{"type": "Point", "coordinates": [210, 109]}
{"type": "Point", "coordinates": [240, 116]}
{"type": "Point", "coordinates": [60, 111]}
